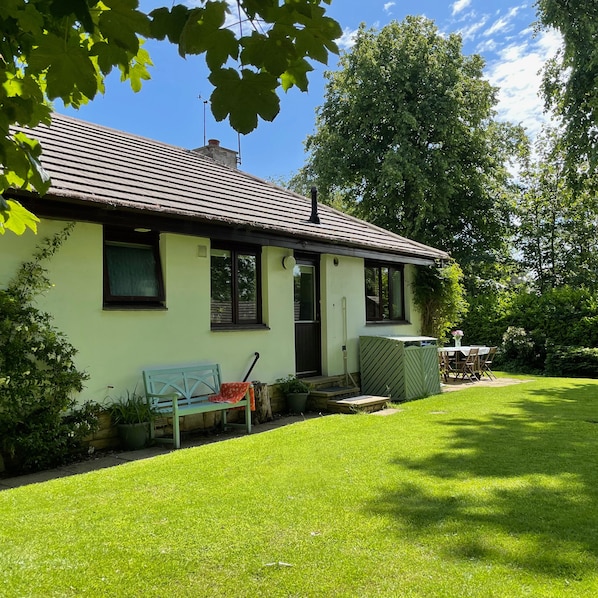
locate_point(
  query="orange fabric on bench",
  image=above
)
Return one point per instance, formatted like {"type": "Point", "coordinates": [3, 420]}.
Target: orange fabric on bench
{"type": "Point", "coordinates": [233, 392]}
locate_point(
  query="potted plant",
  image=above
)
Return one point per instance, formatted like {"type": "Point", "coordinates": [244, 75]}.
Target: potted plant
{"type": "Point", "coordinates": [296, 392]}
{"type": "Point", "coordinates": [132, 416]}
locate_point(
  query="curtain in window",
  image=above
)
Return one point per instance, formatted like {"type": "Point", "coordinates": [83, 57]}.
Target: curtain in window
{"type": "Point", "coordinates": [131, 270]}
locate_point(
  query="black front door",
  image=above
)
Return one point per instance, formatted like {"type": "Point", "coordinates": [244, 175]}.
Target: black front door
{"type": "Point", "coordinates": [308, 353]}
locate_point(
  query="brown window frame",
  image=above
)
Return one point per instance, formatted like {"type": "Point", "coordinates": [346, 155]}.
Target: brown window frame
{"type": "Point", "coordinates": [236, 250]}
{"type": "Point", "coordinates": [115, 236]}
{"type": "Point", "coordinates": [379, 266]}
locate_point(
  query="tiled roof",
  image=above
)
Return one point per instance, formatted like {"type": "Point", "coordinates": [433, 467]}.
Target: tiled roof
{"type": "Point", "coordinates": [95, 164]}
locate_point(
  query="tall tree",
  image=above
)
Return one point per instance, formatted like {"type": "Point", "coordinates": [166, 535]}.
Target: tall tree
{"type": "Point", "coordinates": [571, 78]}
{"type": "Point", "coordinates": [64, 49]}
{"type": "Point", "coordinates": [406, 138]}
{"type": "Point", "coordinates": [557, 222]}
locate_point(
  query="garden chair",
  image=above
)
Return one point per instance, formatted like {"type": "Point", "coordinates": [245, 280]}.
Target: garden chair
{"type": "Point", "coordinates": [486, 362]}
{"type": "Point", "coordinates": [470, 365]}
{"type": "Point", "coordinates": [446, 367]}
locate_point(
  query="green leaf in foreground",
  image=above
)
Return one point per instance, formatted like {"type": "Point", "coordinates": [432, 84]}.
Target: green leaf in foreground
{"type": "Point", "coordinates": [243, 98]}
{"type": "Point", "coordinates": [14, 217]}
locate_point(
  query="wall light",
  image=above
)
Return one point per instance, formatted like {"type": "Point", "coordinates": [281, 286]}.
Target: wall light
{"type": "Point", "coordinates": [288, 262]}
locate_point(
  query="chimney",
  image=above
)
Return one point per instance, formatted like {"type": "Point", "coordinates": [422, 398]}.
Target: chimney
{"type": "Point", "coordinates": [219, 154]}
{"type": "Point", "coordinates": [314, 218]}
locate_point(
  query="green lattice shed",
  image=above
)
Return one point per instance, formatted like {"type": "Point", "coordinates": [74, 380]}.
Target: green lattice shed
{"type": "Point", "coordinates": [404, 367]}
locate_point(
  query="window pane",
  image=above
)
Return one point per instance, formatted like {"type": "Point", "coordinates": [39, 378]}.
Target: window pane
{"type": "Point", "coordinates": [304, 285]}
{"type": "Point", "coordinates": [131, 270]}
{"type": "Point", "coordinates": [396, 293]}
{"type": "Point", "coordinates": [372, 294]}
{"type": "Point", "coordinates": [385, 299]}
{"type": "Point", "coordinates": [247, 287]}
{"type": "Point", "coordinates": [221, 285]}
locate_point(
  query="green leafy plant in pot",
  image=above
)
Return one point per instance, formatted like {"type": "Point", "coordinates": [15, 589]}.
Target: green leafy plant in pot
{"type": "Point", "coordinates": [296, 392]}
{"type": "Point", "coordinates": [132, 415]}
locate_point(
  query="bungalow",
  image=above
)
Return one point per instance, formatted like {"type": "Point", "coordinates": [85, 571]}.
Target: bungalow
{"type": "Point", "coordinates": [178, 257]}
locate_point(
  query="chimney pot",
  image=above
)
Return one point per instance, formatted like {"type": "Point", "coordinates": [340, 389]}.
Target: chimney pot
{"type": "Point", "coordinates": [218, 153]}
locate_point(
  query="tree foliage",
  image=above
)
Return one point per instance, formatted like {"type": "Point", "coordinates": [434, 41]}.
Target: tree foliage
{"type": "Point", "coordinates": [571, 79]}
{"type": "Point", "coordinates": [541, 324]}
{"type": "Point", "coordinates": [52, 50]}
{"type": "Point", "coordinates": [557, 222]}
{"type": "Point", "coordinates": [406, 139]}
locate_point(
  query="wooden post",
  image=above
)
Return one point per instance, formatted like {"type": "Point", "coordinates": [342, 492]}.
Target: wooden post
{"type": "Point", "coordinates": [263, 407]}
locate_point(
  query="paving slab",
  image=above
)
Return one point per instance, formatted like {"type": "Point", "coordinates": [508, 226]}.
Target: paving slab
{"type": "Point", "coordinates": [387, 411]}
{"type": "Point", "coordinates": [453, 384]}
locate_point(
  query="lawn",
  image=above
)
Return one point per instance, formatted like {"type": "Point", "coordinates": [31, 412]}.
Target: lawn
{"type": "Point", "coordinates": [483, 492]}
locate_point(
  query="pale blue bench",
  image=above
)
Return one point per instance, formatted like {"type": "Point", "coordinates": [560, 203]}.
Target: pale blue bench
{"type": "Point", "coordinates": [185, 390]}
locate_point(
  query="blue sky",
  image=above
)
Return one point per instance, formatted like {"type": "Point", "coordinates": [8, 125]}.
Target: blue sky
{"type": "Point", "coordinates": [170, 107]}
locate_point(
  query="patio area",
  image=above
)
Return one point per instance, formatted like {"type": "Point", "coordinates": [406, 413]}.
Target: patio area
{"type": "Point", "coordinates": [452, 384]}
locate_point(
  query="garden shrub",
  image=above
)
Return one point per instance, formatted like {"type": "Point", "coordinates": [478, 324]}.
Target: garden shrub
{"type": "Point", "coordinates": [488, 315]}
{"type": "Point", "coordinates": [519, 352]}
{"type": "Point", "coordinates": [572, 361]}
{"type": "Point", "coordinates": [563, 316]}
{"type": "Point", "coordinates": [560, 317]}
{"type": "Point", "coordinates": [40, 425]}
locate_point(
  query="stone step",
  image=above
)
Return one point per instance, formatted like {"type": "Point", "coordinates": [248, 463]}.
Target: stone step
{"type": "Point", "coordinates": [336, 392]}
{"type": "Point", "coordinates": [318, 382]}
{"type": "Point", "coordinates": [320, 396]}
{"type": "Point", "coordinates": [363, 403]}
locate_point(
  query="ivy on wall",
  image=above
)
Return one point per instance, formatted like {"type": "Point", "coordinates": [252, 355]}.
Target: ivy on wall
{"type": "Point", "coordinates": [40, 425]}
{"type": "Point", "coordinates": [440, 296]}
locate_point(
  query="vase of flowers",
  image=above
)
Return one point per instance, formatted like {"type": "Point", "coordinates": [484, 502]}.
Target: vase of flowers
{"type": "Point", "coordinates": [457, 335]}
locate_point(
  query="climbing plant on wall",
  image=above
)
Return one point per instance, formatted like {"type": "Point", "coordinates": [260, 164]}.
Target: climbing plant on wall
{"type": "Point", "coordinates": [40, 425]}
{"type": "Point", "coordinates": [440, 296]}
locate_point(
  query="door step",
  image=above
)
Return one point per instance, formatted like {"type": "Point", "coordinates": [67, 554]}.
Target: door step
{"type": "Point", "coordinates": [327, 390]}
{"type": "Point", "coordinates": [362, 403]}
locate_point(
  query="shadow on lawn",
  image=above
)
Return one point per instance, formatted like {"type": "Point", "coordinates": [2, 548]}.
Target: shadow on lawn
{"type": "Point", "coordinates": [516, 489]}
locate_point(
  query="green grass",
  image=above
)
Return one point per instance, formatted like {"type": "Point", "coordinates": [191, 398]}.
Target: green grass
{"type": "Point", "coordinates": [483, 492]}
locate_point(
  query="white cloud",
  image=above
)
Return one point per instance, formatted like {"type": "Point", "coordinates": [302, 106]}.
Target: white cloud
{"type": "Point", "coordinates": [347, 39]}
{"type": "Point", "coordinates": [388, 6]}
{"type": "Point", "coordinates": [487, 46]}
{"type": "Point", "coordinates": [469, 32]}
{"type": "Point", "coordinates": [460, 5]}
{"type": "Point", "coordinates": [516, 72]}
{"type": "Point", "coordinates": [498, 26]}
{"type": "Point", "coordinates": [504, 23]}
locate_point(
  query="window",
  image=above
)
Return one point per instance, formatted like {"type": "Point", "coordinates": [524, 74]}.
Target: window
{"type": "Point", "coordinates": [384, 292]}
{"type": "Point", "coordinates": [304, 283]}
{"type": "Point", "coordinates": [235, 286]}
{"type": "Point", "coordinates": [132, 269]}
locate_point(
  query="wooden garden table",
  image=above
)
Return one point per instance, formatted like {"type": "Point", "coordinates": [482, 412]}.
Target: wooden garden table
{"type": "Point", "coordinates": [464, 350]}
